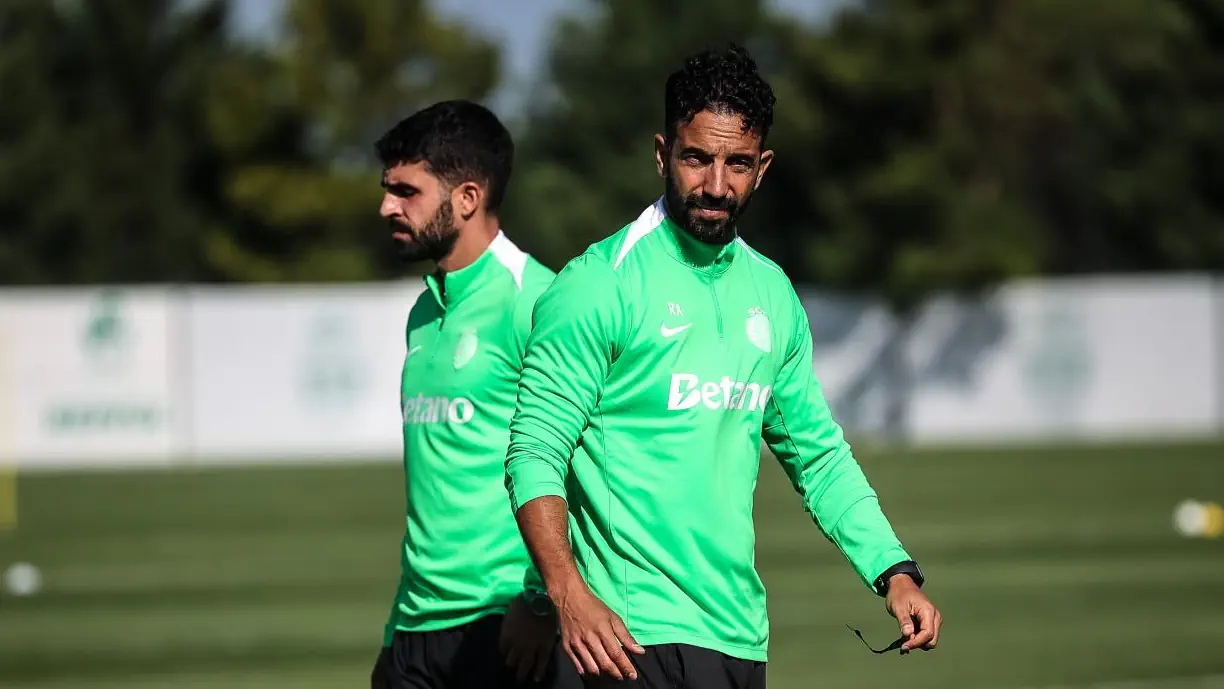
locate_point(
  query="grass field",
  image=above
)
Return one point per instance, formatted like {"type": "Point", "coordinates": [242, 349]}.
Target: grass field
{"type": "Point", "coordinates": [1054, 567]}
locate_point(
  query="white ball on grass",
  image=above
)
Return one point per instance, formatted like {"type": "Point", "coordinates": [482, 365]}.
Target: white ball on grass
{"type": "Point", "coordinates": [22, 579]}
{"type": "Point", "coordinates": [1190, 518]}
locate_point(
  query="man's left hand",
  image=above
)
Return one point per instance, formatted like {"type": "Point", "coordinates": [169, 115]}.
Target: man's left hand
{"type": "Point", "coordinates": [916, 615]}
{"type": "Point", "coordinates": [528, 640]}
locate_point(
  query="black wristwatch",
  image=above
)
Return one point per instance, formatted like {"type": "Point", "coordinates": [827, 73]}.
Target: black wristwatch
{"type": "Point", "coordinates": [538, 602]}
{"type": "Point", "coordinates": [908, 567]}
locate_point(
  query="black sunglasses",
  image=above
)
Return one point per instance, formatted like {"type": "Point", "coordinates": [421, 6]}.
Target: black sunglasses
{"type": "Point", "coordinates": [891, 647]}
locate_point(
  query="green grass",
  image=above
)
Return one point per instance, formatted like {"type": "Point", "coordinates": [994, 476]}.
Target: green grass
{"type": "Point", "coordinates": [1052, 566]}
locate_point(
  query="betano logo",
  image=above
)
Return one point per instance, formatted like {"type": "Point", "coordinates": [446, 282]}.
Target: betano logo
{"type": "Point", "coordinates": [687, 391]}
{"type": "Point", "coordinates": [422, 409]}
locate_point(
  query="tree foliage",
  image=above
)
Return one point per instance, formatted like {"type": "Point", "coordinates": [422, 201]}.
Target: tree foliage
{"type": "Point", "coordinates": [954, 144]}
{"type": "Point", "coordinates": [921, 145]}
{"type": "Point", "coordinates": [299, 123]}
{"type": "Point", "coordinates": [103, 173]}
{"type": "Point", "coordinates": [140, 142]}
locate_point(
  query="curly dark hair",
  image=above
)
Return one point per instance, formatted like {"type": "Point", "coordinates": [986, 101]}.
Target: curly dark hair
{"type": "Point", "coordinates": [459, 141]}
{"type": "Point", "coordinates": [722, 81]}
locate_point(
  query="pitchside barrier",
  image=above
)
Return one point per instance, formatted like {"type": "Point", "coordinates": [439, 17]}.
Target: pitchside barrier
{"type": "Point", "coordinates": [135, 376]}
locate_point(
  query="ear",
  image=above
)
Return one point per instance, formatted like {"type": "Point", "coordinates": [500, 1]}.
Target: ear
{"type": "Point", "coordinates": [660, 146]}
{"type": "Point", "coordinates": [766, 158]}
{"type": "Point", "coordinates": [468, 198]}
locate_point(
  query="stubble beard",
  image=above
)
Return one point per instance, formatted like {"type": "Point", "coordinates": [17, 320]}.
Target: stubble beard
{"type": "Point", "coordinates": [432, 242]}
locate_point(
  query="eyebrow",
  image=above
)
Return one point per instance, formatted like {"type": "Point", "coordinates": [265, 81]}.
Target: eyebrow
{"type": "Point", "coordinates": [734, 156]}
{"type": "Point", "coordinates": [398, 187]}
{"type": "Point", "coordinates": [693, 151]}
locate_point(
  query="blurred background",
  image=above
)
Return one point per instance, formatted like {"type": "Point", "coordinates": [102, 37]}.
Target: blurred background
{"type": "Point", "coordinates": [1005, 218]}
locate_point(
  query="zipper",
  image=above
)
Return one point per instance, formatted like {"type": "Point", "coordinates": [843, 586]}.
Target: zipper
{"type": "Point", "coordinates": [717, 309]}
{"type": "Point", "coordinates": [432, 285]}
{"type": "Point", "coordinates": [433, 351]}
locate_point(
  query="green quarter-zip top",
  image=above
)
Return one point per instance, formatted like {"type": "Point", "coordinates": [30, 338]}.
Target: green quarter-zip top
{"type": "Point", "coordinates": [462, 556]}
{"type": "Point", "coordinates": [656, 366]}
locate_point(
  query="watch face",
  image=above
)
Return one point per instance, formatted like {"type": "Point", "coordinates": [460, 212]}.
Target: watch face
{"type": "Point", "coordinates": [538, 603]}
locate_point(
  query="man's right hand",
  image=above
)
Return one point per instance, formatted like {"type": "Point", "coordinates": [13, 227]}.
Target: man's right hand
{"type": "Point", "coordinates": [594, 637]}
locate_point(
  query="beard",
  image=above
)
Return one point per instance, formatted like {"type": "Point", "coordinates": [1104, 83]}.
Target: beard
{"type": "Point", "coordinates": [684, 208]}
{"type": "Point", "coordinates": [431, 242]}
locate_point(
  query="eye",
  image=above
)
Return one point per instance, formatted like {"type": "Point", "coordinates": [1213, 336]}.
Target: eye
{"type": "Point", "coordinates": [739, 165]}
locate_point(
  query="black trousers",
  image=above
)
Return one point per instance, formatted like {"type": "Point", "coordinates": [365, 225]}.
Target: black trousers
{"type": "Point", "coordinates": [680, 666]}
{"type": "Point", "coordinates": [463, 657]}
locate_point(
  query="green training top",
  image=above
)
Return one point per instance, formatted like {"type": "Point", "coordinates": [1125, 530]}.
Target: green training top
{"type": "Point", "coordinates": [462, 554]}
{"type": "Point", "coordinates": [655, 367]}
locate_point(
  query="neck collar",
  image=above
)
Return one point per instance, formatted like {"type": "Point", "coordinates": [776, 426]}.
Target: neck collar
{"type": "Point", "coordinates": [453, 287]}
{"type": "Point", "coordinates": [692, 252]}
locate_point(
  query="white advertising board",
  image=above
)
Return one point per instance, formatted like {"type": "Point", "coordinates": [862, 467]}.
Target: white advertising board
{"type": "Point", "coordinates": [113, 377]}
{"type": "Point", "coordinates": [85, 377]}
{"type": "Point", "coordinates": [296, 372]}
{"type": "Point", "coordinates": [1218, 343]}
{"type": "Point", "coordinates": [851, 342]}
{"type": "Point", "coordinates": [1098, 358]}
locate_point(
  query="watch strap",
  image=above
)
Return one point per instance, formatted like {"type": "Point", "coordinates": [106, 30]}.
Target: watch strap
{"type": "Point", "coordinates": [537, 602]}
{"type": "Point", "coordinates": [907, 567]}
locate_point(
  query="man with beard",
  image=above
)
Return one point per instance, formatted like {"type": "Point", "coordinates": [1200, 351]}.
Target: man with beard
{"type": "Point", "coordinates": [658, 361]}
{"type": "Point", "coordinates": [466, 583]}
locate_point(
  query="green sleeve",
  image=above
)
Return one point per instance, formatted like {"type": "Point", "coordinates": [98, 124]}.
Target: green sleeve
{"type": "Point", "coordinates": [574, 337]}
{"type": "Point", "coordinates": [523, 308]}
{"type": "Point", "coordinates": [800, 430]}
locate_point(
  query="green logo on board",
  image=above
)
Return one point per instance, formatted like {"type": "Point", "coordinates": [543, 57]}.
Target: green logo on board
{"type": "Point", "coordinates": [332, 374]}
{"type": "Point", "coordinates": [106, 340]}
{"type": "Point", "coordinates": [1058, 366]}
{"type": "Point", "coordinates": [107, 336]}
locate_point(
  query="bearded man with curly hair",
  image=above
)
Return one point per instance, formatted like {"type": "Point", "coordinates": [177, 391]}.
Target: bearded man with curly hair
{"type": "Point", "coordinates": [658, 362]}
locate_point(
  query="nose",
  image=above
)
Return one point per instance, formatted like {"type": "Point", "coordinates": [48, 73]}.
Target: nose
{"type": "Point", "coordinates": [716, 181]}
{"type": "Point", "coordinates": [389, 207]}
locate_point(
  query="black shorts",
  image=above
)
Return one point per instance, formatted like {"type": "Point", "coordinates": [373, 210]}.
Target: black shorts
{"type": "Point", "coordinates": [680, 666]}
{"type": "Point", "coordinates": [463, 657]}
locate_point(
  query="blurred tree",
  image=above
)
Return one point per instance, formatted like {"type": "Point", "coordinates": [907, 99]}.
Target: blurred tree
{"type": "Point", "coordinates": [138, 142]}
{"type": "Point", "coordinates": [952, 144]}
{"type": "Point", "coordinates": [298, 123]}
{"type": "Point", "coordinates": [933, 146]}
{"type": "Point", "coordinates": [105, 174]}
{"type": "Point", "coordinates": [921, 146]}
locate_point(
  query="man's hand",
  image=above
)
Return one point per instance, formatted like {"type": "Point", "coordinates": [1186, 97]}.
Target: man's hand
{"type": "Point", "coordinates": [907, 603]}
{"type": "Point", "coordinates": [594, 637]}
{"type": "Point", "coordinates": [528, 639]}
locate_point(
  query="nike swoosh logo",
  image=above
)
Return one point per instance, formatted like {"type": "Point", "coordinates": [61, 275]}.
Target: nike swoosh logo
{"type": "Point", "coordinates": [412, 351]}
{"type": "Point", "coordinates": [672, 332]}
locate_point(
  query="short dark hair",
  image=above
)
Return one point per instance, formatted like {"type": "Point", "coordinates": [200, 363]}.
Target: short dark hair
{"type": "Point", "coordinates": [459, 141]}
{"type": "Point", "coordinates": [722, 81]}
